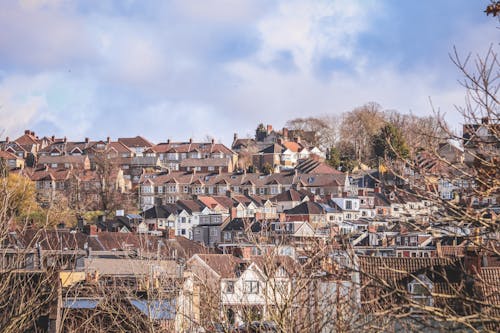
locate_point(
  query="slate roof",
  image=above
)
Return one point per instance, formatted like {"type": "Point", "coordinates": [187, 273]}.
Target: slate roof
{"type": "Point", "coordinates": [312, 166]}
{"type": "Point", "coordinates": [291, 195]}
{"type": "Point", "coordinates": [307, 208]}
{"type": "Point", "coordinates": [240, 224]}
{"type": "Point", "coordinates": [161, 211]}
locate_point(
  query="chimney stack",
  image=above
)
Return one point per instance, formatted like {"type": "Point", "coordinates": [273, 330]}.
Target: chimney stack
{"type": "Point", "coordinates": [7, 139]}
{"type": "Point", "coordinates": [269, 129]}
{"type": "Point", "coordinates": [190, 140]}
{"type": "Point", "coordinates": [86, 140]}
{"type": "Point", "coordinates": [108, 139]}
{"type": "Point", "coordinates": [285, 133]}
{"type": "Point", "coordinates": [213, 140]}
{"type": "Point", "coordinates": [235, 136]}
{"type": "Point", "coordinates": [26, 132]}
{"type": "Point", "coordinates": [53, 138]}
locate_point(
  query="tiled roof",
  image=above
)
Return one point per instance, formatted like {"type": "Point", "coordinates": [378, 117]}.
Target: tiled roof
{"type": "Point", "coordinates": [397, 268]}
{"type": "Point", "coordinates": [292, 146]}
{"type": "Point", "coordinates": [186, 147]}
{"type": "Point", "coordinates": [225, 265]}
{"type": "Point", "coordinates": [191, 206]}
{"type": "Point", "coordinates": [290, 195]}
{"type": "Point", "coordinates": [129, 267]}
{"type": "Point", "coordinates": [205, 162]}
{"type": "Point", "coordinates": [72, 159]}
{"type": "Point", "coordinates": [136, 142]}
{"type": "Point", "coordinates": [306, 208]}
{"type": "Point", "coordinates": [8, 156]}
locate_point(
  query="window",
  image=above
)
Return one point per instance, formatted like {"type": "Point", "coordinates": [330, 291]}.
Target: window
{"type": "Point", "coordinates": [251, 287]}
{"type": "Point", "coordinates": [160, 189]}
{"type": "Point", "coordinates": [183, 231]}
{"type": "Point", "coordinates": [348, 204]}
{"type": "Point", "coordinates": [421, 289]}
{"type": "Point", "coordinates": [227, 236]}
{"type": "Point", "coordinates": [229, 287]}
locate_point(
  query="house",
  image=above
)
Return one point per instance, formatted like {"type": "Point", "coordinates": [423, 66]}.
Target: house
{"type": "Point", "coordinates": [208, 231]}
{"type": "Point", "coordinates": [81, 162]}
{"type": "Point", "coordinates": [242, 290]}
{"type": "Point", "coordinates": [161, 217]}
{"type": "Point", "coordinates": [290, 198]}
{"type": "Point", "coordinates": [11, 160]}
{"type": "Point", "coordinates": [136, 144]}
{"type": "Point", "coordinates": [171, 154]}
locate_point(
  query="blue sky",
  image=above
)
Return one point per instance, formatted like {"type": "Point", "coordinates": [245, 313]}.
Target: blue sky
{"type": "Point", "coordinates": [191, 68]}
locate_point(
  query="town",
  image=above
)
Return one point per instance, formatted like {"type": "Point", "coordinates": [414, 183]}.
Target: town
{"type": "Point", "coordinates": [269, 234]}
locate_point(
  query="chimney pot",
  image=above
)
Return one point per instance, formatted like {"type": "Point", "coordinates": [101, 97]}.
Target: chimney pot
{"type": "Point", "coordinates": [26, 131]}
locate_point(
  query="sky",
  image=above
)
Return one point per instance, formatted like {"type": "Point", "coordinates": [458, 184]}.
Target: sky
{"type": "Point", "coordinates": [179, 69]}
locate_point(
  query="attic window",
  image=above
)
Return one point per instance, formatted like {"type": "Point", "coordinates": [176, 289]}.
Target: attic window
{"type": "Point", "coordinates": [310, 180]}
{"type": "Point", "coordinates": [421, 290]}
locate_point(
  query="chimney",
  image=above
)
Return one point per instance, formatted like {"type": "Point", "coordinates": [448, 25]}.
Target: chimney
{"type": "Point", "coordinates": [53, 138]}
{"type": "Point", "coordinates": [7, 139]}
{"type": "Point", "coordinates": [285, 133]}
{"type": "Point", "coordinates": [269, 129]}
{"type": "Point", "coordinates": [235, 136]}
{"type": "Point", "coordinates": [32, 133]}
{"type": "Point", "coordinates": [213, 140]}
{"type": "Point", "coordinates": [168, 141]}
{"type": "Point", "coordinates": [108, 139]}
{"type": "Point", "coordinates": [190, 140]}
{"type": "Point", "coordinates": [65, 139]}
{"type": "Point", "coordinates": [282, 217]}
{"type": "Point", "coordinates": [232, 213]}
{"type": "Point", "coordinates": [93, 230]}
{"type": "Point", "coordinates": [26, 132]}
{"type": "Point", "coordinates": [169, 233]}
{"type": "Point", "coordinates": [86, 140]}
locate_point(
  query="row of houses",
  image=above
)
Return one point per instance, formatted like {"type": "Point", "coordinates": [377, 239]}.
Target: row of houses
{"type": "Point", "coordinates": [114, 281]}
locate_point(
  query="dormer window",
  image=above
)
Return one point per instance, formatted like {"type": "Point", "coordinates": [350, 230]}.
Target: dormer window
{"type": "Point", "coordinates": [420, 290]}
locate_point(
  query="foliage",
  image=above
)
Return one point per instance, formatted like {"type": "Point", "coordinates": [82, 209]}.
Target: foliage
{"type": "Point", "coordinates": [389, 143]}
{"type": "Point", "coordinates": [17, 198]}
{"type": "Point", "coordinates": [260, 132]}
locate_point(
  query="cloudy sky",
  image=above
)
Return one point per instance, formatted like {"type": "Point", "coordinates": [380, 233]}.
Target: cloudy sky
{"type": "Point", "coordinates": [191, 68]}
